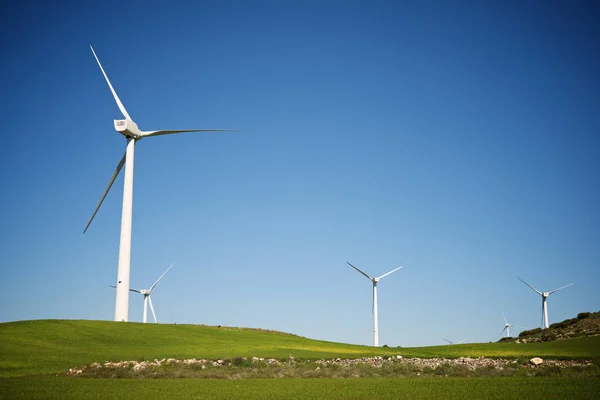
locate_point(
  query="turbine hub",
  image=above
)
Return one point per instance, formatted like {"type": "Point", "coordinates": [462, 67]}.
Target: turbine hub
{"type": "Point", "coordinates": [144, 292]}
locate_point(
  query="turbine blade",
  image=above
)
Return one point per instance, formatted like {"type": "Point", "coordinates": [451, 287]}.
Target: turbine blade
{"type": "Point", "coordinates": [112, 180]}
{"type": "Point", "coordinates": [463, 340]}
{"type": "Point", "coordinates": [501, 333]}
{"type": "Point", "coordinates": [532, 288]}
{"type": "Point", "coordinates": [555, 290]}
{"type": "Point", "coordinates": [121, 106]}
{"type": "Point", "coordinates": [171, 131]}
{"type": "Point", "coordinates": [368, 277]}
{"type": "Point", "coordinates": [504, 318]}
{"type": "Point", "coordinates": [447, 341]}
{"type": "Point", "coordinates": [131, 290]}
{"type": "Point", "coordinates": [163, 274]}
{"type": "Point", "coordinates": [389, 272]}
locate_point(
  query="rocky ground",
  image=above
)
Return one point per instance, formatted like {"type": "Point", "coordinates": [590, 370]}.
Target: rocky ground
{"type": "Point", "coordinates": [255, 367]}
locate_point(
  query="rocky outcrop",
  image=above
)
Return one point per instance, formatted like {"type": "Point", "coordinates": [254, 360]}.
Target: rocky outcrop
{"type": "Point", "coordinates": [586, 324]}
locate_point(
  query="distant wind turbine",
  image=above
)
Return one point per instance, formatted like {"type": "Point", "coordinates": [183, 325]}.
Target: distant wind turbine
{"type": "Point", "coordinates": [375, 321]}
{"type": "Point", "coordinates": [457, 342]}
{"type": "Point", "coordinates": [130, 130]}
{"type": "Point", "coordinates": [507, 327]}
{"type": "Point", "coordinates": [544, 297]}
{"type": "Point", "coordinates": [147, 298]}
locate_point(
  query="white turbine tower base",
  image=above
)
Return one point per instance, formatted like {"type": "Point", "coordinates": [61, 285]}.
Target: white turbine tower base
{"type": "Point", "coordinates": [544, 297]}
{"type": "Point", "coordinates": [147, 298]}
{"type": "Point", "coordinates": [375, 317]}
{"type": "Point", "coordinates": [130, 130]}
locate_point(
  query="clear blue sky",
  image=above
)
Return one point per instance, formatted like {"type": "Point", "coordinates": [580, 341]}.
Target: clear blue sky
{"type": "Point", "coordinates": [458, 139]}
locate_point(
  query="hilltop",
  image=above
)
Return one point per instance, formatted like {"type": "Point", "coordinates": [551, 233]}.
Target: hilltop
{"type": "Point", "coordinates": [585, 324]}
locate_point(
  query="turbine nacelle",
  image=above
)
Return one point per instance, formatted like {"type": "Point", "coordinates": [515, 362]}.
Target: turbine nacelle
{"type": "Point", "coordinates": [128, 128]}
{"type": "Point", "coordinates": [145, 292]}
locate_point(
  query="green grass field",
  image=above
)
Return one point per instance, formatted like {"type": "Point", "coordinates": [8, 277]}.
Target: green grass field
{"type": "Point", "coordinates": [33, 352]}
{"type": "Point", "coordinates": [371, 388]}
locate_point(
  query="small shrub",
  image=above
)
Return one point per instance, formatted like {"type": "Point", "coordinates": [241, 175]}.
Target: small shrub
{"type": "Point", "coordinates": [564, 324]}
{"type": "Point", "coordinates": [548, 370]}
{"type": "Point", "coordinates": [240, 362]}
{"type": "Point", "coordinates": [488, 370]}
{"type": "Point", "coordinates": [530, 332]}
{"type": "Point", "coordinates": [548, 336]}
{"type": "Point", "coordinates": [583, 315]}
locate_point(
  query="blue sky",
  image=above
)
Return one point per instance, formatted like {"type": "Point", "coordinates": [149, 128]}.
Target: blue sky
{"type": "Point", "coordinates": [458, 139]}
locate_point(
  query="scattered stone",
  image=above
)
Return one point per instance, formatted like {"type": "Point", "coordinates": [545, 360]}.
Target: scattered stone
{"type": "Point", "coordinates": [536, 361]}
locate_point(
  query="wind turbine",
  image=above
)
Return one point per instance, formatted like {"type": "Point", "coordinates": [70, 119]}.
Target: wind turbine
{"type": "Point", "coordinates": [375, 321]}
{"type": "Point", "coordinates": [147, 298]}
{"type": "Point", "coordinates": [507, 327]}
{"type": "Point", "coordinates": [130, 130]}
{"type": "Point", "coordinates": [455, 343]}
{"type": "Point", "coordinates": [544, 297]}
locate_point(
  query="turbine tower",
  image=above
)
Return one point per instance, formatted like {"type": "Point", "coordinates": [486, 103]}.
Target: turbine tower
{"type": "Point", "coordinates": [375, 321]}
{"type": "Point", "coordinates": [133, 134]}
{"type": "Point", "coordinates": [147, 298]}
{"type": "Point", "coordinates": [544, 297]}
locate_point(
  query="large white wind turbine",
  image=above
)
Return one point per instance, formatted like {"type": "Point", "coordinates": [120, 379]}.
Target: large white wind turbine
{"type": "Point", "coordinates": [544, 297]}
{"type": "Point", "coordinates": [130, 130]}
{"type": "Point", "coordinates": [375, 321]}
{"type": "Point", "coordinates": [507, 327]}
{"type": "Point", "coordinates": [147, 298]}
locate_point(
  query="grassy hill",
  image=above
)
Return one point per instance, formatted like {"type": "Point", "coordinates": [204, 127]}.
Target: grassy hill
{"type": "Point", "coordinates": [51, 346]}
{"type": "Point", "coordinates": [55, 345]}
